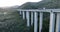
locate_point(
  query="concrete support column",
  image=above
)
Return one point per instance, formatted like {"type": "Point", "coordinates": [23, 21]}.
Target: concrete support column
{"type": "Point", "coordinates": [58, 23]}
{"type": "Point", "coordinates": [20, 12]}
{"type": "Point", "coordinates": [31, 18]}
{"type": "Point", "coordinates": [27, 17]}
{"type": "Point", "coordinates": [35, 21]}
{"type": "Point", "coordinates": [52, 22]}
{"type": "Point", "coordinates": [23, 15]}
{"type": "Point", "coordinates": [41, 20]}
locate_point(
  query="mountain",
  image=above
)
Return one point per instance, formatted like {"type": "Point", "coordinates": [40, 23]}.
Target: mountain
{"type": "Point", "coordinates": [28, 5]}
{"type": "Point", "coordinates": [16, 6]}
{"type": "Point", "coordinates": [11, 7]}
{"type": "Point", "coordinates": [48, 4]}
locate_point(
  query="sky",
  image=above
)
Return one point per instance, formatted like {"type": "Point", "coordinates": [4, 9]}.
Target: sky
{"type": "Point", "coordinates": [7, 3]}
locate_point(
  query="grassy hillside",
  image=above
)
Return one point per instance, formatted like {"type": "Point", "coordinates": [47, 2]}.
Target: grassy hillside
{"type": "Point", "coordinates": [10, 21]}
{"type": "Point", "coordinates": [48, 4]}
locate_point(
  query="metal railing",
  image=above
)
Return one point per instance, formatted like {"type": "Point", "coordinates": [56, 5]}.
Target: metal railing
{"type": "Point", "coordinates": [34, 17]}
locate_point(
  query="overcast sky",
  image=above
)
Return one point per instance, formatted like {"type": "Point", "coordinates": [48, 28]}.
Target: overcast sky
{"type": "Point", "coordinates": [4, 3]}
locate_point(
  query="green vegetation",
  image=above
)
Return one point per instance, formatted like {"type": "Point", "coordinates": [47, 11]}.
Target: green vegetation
{"type": "Point", "coordinates": [48, 4]}
{"type": "Point", "coordinates": [12, 22]}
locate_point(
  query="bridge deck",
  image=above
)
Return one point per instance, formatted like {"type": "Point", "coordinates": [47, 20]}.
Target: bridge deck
{"type": "Point", "coordinates": [42, 10]}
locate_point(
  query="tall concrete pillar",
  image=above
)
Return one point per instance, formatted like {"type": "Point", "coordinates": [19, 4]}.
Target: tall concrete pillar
{"type": "Point", "coordinates": [35, 22]}
{"type": "Point", "coordinates": [31, 18]}
{"type": "Point", "coordinates": [23, 15]}
{"type": "Point", "coordinates": [52, 22]}
{"type": "Point", "coordinates": [40, 22]}
{"type": "Point", "coordinates": [27, 17]}
{"type": "Point", "coordinates": [58, 23]}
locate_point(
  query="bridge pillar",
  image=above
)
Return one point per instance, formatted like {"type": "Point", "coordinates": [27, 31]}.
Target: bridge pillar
{"type": "Point", "coordinates": [35, 21]}
{"type": "Point", "coordinates": [23, 15]}
{"type": "Point", "coordinates": [58, 23]}
{"type": "Point", "coordinates": [40, 23]}
{"type": "Point", "coordinates": [52, 22]}
{"type": "Point", "coordinates": [31, 18]}
{"type": "Point", "coordinates": [20, 12]}
{"type": "Point", "coordinates": [27, 17]}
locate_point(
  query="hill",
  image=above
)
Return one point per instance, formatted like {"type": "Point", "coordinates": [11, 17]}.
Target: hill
{"type": "Point", "coordinates": [48, 4]}
{"type": "Point", "coordinates": [10, 21]}
{"type": "Point", "coordinates": [28, 5]}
